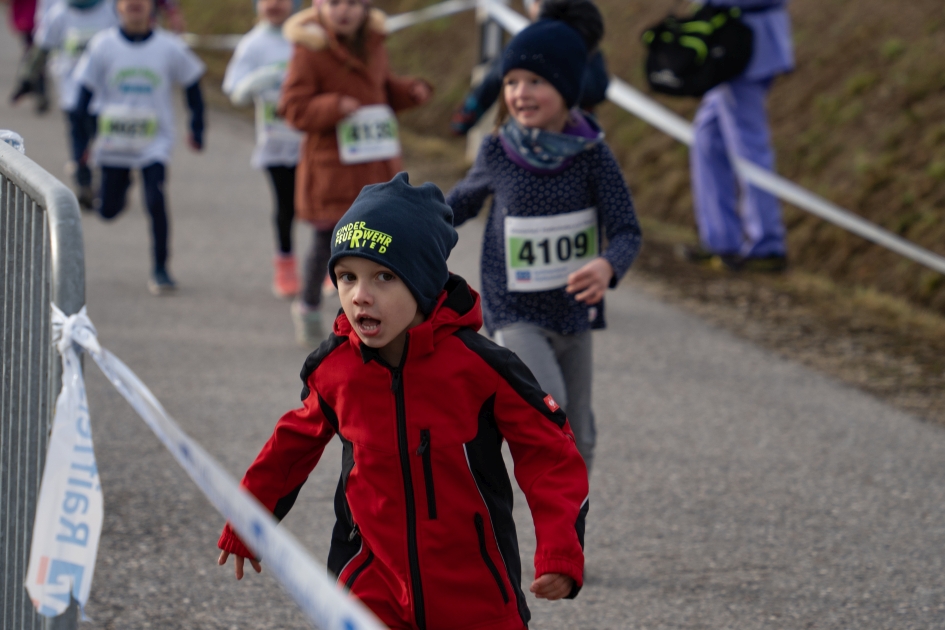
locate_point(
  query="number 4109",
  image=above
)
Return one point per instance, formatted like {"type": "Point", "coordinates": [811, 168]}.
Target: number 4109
{"type": "Point", "coordinates": [564, 248]}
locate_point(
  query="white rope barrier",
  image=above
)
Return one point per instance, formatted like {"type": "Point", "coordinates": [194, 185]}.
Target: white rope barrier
{"type": "Point", "coordinates": [635, 102]}
{"type": "Point", "coordinates": [321, 600]}
{"type": "Point", "coordinates": [433, 12]}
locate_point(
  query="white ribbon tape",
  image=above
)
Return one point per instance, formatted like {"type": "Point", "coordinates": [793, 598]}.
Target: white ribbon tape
{"type": "Point", "coordinates": [325, 603]}
{"type": "Point", "coordinates": [68, 519]}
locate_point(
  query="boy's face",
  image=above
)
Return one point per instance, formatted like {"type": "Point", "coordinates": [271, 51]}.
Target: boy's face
{"type": "Point", "coordinates": [276, 12]}
{"type": "Point", "coordinates": [134, 12]}
{"type": "Point", "coordinates": [378, 305]}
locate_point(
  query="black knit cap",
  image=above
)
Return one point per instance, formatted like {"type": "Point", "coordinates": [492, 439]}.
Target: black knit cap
{"type": "Point", "coordinates": [552, 50]}
{"type": "Point", "coordinates": [408, 229]}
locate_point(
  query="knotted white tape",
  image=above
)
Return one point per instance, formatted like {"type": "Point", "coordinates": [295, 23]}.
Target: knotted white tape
{"type": "Point", "coordinates": [69, 511]}
{"type": "Point", "coordinates": [325, 603]}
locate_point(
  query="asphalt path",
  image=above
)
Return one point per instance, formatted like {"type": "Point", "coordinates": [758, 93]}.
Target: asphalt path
{"type": "Point", "coordinates": [732, 489]}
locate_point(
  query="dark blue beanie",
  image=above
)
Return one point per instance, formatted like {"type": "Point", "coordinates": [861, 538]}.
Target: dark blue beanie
{"type": "Point", "coordinates": [408, 229]}
{"type": "Point", "coordinates": [552, 50]}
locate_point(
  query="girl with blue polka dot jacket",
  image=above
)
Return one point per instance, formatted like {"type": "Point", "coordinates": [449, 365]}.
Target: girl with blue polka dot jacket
{"type": "Point", "coordinates": [562, 227]}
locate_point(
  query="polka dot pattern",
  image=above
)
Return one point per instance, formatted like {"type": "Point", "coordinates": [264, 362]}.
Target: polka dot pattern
{"type": "Point", "coordinates": [593, 180]}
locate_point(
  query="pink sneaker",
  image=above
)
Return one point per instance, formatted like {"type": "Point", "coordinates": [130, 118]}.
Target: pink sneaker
{"type": "Point", "coordinates": [285, 281]}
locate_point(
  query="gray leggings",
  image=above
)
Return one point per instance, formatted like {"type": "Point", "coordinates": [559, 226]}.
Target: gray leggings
{"type": "Point", "coordinates": [316, 267]}
{"type": "Point", "coordinates": [563, 366]}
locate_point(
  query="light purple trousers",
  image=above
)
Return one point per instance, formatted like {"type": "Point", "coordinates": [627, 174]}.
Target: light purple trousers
{"type": "Point", "coordinates": [734, 217]}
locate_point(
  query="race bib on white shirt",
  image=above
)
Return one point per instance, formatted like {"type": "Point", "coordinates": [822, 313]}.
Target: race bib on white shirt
{"type": "Point", "coordinates": [369, 135]}
{"type": "Point", "coordinates": [127, 129]}
{"type": "Point", "coordinates": [269, 124]}
{"type": "Point", "coordinates": [541, 252]}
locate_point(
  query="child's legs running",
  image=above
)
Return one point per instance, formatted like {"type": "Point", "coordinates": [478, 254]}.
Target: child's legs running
{"type": "Point", "coordinates": [80, 134]}
{"type": "Point", "coordinates": [282, 179]}
{"type": "Point", "coordinates": [562, 364]}
{"type": "Point", "coordinates": [153, 176]}
{"type": "Point", "coordinates": [534, 347]}
{"type": "Point", "coordinates": [574, 354]}
{"type": "Point", "coordinates": [316, 268]}
{"type": "Point", "coordinates": [115, 183]}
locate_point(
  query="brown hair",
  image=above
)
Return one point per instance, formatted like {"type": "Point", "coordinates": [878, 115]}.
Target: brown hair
{"type": "Point", "coordinates": [357, 43]}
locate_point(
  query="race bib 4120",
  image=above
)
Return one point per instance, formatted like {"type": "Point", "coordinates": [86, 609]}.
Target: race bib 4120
{"type": "Point", "coordinates": [541, 252]}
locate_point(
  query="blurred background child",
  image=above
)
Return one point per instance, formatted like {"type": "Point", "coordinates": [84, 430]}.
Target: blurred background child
{"type": "Point", "coordinates": [130, 71]}
{"type": "Point", "coordinates": [255, 74]}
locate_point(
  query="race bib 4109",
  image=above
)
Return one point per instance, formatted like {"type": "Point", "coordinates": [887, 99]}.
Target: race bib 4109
{"type": "Point", "coordinates": [541, 252]}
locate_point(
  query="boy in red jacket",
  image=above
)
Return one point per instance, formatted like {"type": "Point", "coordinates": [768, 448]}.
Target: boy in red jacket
{"type": "Point", "coordinates": [422, 403]}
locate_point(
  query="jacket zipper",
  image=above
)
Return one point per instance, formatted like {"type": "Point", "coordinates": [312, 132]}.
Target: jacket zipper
{"type": "Point", "coordinates": [481, 530]}
{"type": "Point", "coordinates": [397, 386]}
{"type": "Point", "coordinates": [357, 572]}
{"type": "Point", "coordinates": [425, 453]}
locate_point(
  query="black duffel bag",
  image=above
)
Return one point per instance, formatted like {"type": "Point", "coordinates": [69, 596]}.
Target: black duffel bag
{"type": "Point", "coordinates": [688, 56]}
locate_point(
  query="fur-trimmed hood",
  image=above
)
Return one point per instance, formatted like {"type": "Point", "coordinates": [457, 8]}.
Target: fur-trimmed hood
{"type": "Point", "coordinates": [305, 27]}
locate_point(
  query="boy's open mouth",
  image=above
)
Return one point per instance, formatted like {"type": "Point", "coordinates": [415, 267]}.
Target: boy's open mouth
{"type": "Point", "coordinates": [368, 324]}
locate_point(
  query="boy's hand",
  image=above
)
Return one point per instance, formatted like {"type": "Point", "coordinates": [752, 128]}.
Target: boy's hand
{"type": "Point", "coordinates": [552, 586]}
{"type": "Point", "coordinates": [195, 146]}
{"type": "Point", "coordinates": [239, 563]}
{"type": "Point", "coordinates": [589, 283]}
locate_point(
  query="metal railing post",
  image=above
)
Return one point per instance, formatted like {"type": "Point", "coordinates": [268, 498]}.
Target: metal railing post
{"type": "Point", "coordinates": [41, 261]}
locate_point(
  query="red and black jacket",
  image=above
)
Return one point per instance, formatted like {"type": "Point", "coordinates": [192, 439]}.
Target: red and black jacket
{"type": "Point", "coordinates": [424, 533]}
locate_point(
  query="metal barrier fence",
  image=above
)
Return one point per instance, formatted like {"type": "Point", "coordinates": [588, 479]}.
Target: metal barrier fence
{"type": "Point", "coordinates": [41, 261]}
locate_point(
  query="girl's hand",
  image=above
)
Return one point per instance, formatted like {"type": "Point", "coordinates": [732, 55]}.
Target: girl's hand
{"type": "Point", "coordinates": [552, 586]}
{"type": "Point", "coordinates": [239, 563]}
{"type": "Point", "coordinates": [589, 283]}
{"type": "Point", "coordinates": [348, 104]}
{"type": "Point", "coordinates": [421, 92]}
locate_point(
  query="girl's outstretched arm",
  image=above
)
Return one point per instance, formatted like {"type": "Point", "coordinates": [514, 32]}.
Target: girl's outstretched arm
{"type": "Point", "coordinates": [466, 197]}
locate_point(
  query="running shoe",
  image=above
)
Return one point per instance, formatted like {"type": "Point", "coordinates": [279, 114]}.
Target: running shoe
{"type": "Point", "coordinates": [285, 280]}
{"type": "Point", "coordinates": [308, 325]}
{"type": "Point", "coordinates": [161, 283]}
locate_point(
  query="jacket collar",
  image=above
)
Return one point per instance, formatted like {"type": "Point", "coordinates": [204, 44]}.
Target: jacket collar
{"type": "Point", "coordinates": [458, 306]}
{"type": "Point", "coordinates": [305, 28]}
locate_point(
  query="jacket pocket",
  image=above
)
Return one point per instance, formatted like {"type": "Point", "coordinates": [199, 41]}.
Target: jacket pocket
{"type": "Point", "coordinates": [426, 456]}
{"type": "Point", "coordinates": [481, 531]}
{"type": "Point", "coordinates": [357, 572]}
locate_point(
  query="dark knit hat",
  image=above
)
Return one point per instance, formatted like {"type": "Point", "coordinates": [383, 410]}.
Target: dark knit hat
{"type": "Point", "coordinates": [408, 229]}
{"type": "Point", "coordinates": [552, 50]}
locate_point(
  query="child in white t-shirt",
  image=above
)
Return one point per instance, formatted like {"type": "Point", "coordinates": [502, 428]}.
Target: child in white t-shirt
{"type": "Point", "coordinates": [255, 74]}
{"type": "Point", "coordinates": [130, 71]}
{"type": "Point", "coordinates": [65, 30]}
